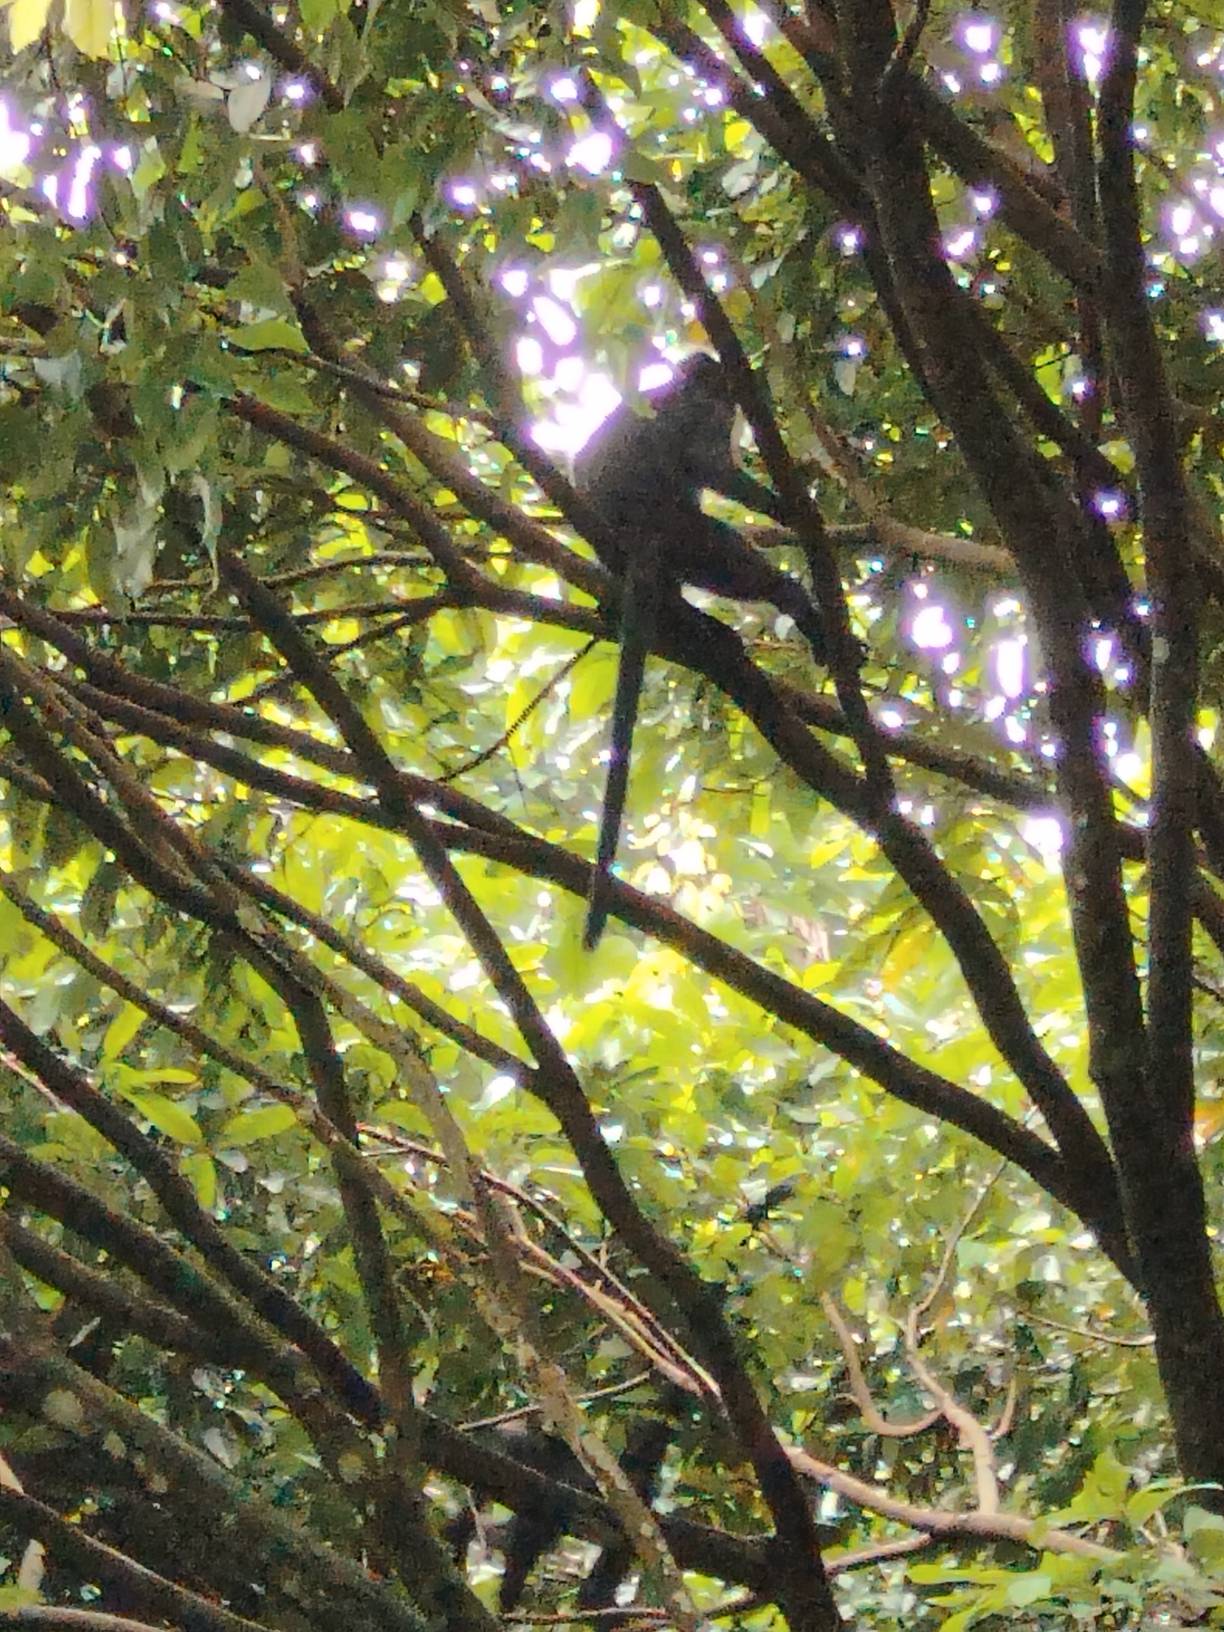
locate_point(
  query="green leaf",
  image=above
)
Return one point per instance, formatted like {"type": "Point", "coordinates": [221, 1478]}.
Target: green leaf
{"type": "Point", "coordinates": [88, 24]}
{"type": "Point", "coordinates": [98, 901]}
{"type": "Point", "coordinates": [318, 15]}
{"type": "Point", "coordinates": [200, 1171]}
{"type": "Point", "coordinates": [122, 1029]}
{"type": "Point", "coordinates": [150, 168]}
{"type": "Point", "coordinates": [168, 1117]}
{"type": "Point", "coordinates": [260, 284]}
{"type": "Point", "coordinates": [1030, 1588]}
{"type": "Point", "coordinates": [1144, 1503]}
{"type": "Point", "coordinates": [19, 440]}
{"type": "Point", "coordinates": [263, 1122]}
{"type": "Point", "coordinates": [270, 333]}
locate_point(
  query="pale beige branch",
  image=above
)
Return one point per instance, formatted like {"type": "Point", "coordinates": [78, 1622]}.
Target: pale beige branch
{"type": "Point", "coordinates": [1144, 1341]}
{"type": "Point", "coordinates": [903, 1547]}
{"type": "Point", "coordinates": [936, 1521]}
{"type": "Point", "coordinates": [972, 1435]}
{"type": "Point", "coordinates": [882, 533]}
{"type": "Point", "coordinates": [857, 1384]}
{"type": "Point", "coordinates": [1007, 1416]}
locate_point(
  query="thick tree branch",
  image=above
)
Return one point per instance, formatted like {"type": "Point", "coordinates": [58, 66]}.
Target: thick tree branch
{"type": "Point", "coordinates": [872, 801]}
{"type": "Point", "coordinates": [555, 1082]}
{"type": "Point", "coordinates": [307, 1568]}
{"type": "Point", "coordinates": [1165, 513]}
{"type": "Point", "coordinates": [178, 1199]}
{"type": "Point", "coordinates": [1150, 1110]}
{"type": "Point", "coordinates": [715, 651]}
{"type": "Point", "coordinates": [145, 1589]}
{"type": "Point", "coordinates": [1041, 529]}
{"type": "Point", "coordinates": [962, 1109]}
{"type": "Point", "coordinates": [227, 1334]}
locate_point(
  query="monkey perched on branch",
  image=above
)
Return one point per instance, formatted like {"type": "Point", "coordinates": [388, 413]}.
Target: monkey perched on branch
{"type": "Point", "coordinates": [645, 478]}
{"type": "Point", "coordinates": [536, 1528]}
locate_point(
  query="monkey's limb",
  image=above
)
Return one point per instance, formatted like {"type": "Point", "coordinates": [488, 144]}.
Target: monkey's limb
{"type": "Point", "coordinates": [789, 596]}
{"type": "Point", "coordinates": [535, 1528]}
{"type": "Point", "coordinates": [646, 1445]}
{"type": "Point", "coordinates": [737, 484]}
{"type": "Point", "coordinates": [711, 555]}
{"type": "Point", "coordinates": [525, 1545]}
{"type": "Point", "coordinates": [639, 617]}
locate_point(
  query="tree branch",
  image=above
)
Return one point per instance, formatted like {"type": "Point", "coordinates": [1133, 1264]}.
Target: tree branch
{"type": "Point", "coordinates": [556, 1083]}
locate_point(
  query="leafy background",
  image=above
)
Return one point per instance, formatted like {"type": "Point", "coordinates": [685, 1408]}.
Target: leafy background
{"type": "Point", "coordinates": [292, 289]}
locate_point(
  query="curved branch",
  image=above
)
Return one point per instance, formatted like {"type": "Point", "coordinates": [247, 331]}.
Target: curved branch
{"type": "Point", "coordinates": [945, 1522]}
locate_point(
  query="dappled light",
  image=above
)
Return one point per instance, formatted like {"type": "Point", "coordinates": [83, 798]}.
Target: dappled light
{"type": "Point", "coordinates": [611, 829]}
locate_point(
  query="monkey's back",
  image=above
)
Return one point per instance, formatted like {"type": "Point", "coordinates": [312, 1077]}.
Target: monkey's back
{"type": "Point", "coordinates": [647, 474]}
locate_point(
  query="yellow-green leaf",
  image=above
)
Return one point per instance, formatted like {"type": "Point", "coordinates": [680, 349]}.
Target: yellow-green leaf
{"type": "Point", "coordinates": [88, 24]}
{"type": "Point", "coordinates": [264, 1122]}
{"type": "Point", "coordinates": [128, 1077]}
{"type": "Point", "coordinates": [27, 19]}
{"type": "Point", "coordinates": [169, 1118]}
{"type": "Point", "coordinates": [121, 1030]}
{"type": "Point", "coordinates": [758, 816]}
{"type": "Point", "coordinates": [593, 683]}
{"type": "Point", "coordinates": [18, 1597]}
{"type": "Point", "coordinates": [201, 1173]}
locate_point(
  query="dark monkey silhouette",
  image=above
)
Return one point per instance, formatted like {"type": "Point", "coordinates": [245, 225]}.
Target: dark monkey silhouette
{"type": "Point", "coordinates": [644, 478]}
{"type": "Point", "coordinates": [538, 1525]}
{"type": "Point", "coordinates": [536, 1528]}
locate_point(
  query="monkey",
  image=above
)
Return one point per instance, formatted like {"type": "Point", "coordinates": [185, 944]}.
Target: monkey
{"type": "Point", "coordinates": [646, 1441]}
{"type": "Point", "coordinates": [644, 478]}
{"type": "Point", "coordinates": [535, 1529]}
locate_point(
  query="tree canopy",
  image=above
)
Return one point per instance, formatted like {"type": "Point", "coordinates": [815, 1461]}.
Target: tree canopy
{"type": "Point", "coordinates": [834, 1245]}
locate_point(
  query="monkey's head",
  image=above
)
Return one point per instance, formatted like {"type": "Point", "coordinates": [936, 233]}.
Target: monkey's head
{"type": "Point", "coordinates": [698, 378]}
{"type": "Point", "coordinates": [693, 418]}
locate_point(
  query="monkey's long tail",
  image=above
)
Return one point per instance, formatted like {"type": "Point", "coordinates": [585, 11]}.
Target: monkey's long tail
{"type": "Point", "coordinates": [638, 620]}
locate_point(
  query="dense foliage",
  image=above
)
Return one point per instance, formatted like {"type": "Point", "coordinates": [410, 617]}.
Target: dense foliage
{"type": "Point", "coordinates": [859, 1191]}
